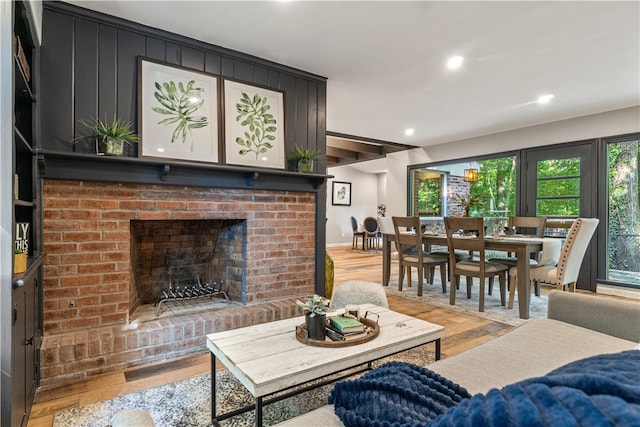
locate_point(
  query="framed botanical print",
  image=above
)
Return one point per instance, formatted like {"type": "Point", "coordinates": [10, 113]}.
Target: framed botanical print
{"type": "Point", "coordinates": [177, 112]}
{"type": "Point", "coordinates": [341, 194]}
{"type": "Point", "coordinates": [254, 126]}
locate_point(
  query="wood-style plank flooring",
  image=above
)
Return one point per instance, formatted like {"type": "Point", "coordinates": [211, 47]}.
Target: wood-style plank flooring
{"type": "Point", "coordinates": [462, 331]}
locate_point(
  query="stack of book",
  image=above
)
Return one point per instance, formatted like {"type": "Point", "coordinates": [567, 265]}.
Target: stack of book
{"type": "Point", "coordinates": [342, 328]}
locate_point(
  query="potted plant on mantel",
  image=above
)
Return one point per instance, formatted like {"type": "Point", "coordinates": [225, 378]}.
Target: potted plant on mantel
{"type": "Point", "coordinates": [315, 316]}
{"type": "Point", "coordinates": [111, 136]}
{"type": "Point", "coordinates": [304, 158]}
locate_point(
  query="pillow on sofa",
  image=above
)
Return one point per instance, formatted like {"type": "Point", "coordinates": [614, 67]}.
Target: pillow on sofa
{"type": "Point", "coordinates": [601, 390]}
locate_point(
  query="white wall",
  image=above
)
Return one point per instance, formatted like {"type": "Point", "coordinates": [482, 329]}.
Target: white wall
{"type": "Point", "coordinates": [392, 186]}
{"type": "Point", "coordinates": [364, 203]}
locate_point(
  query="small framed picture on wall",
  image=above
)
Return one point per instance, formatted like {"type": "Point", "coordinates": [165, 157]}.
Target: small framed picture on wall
{"type": "Point", "coordinates": [341, 194]}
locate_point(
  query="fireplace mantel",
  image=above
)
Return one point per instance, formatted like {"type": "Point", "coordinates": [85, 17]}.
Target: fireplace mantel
{"type": "Point", "coordinates": [134, 170]}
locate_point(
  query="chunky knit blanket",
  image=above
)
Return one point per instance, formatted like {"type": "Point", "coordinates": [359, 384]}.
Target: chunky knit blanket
{"type": "Point", "coordinates": [597, 391]}
{"type": "Point", "coordinates": [395, 394]}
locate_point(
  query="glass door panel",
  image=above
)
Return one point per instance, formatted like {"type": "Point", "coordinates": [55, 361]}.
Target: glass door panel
{"type": "Point", "coordinates": [623, 221]}
{"type": "Point", "coordinates": [559, 183]}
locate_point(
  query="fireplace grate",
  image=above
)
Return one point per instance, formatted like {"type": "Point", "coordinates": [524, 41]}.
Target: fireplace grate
{"type": "Point", "coordinates": [188, 290]}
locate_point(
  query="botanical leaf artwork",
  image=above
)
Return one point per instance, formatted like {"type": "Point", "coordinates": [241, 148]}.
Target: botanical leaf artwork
{"type": "Point", "coordinates": [179, 103]}
{"type": "Point", "coordinates": [259, 124]}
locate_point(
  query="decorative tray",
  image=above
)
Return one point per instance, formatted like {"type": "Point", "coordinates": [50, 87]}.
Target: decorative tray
{"type": "Point", "coordinates": [301, 335]}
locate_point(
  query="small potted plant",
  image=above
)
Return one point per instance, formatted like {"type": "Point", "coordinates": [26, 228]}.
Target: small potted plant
{"type": "Point", "coordinates": [111, 135]}
{"type": "Point", "coordinates": [19, 261]}
{"type": "Point", "coordinates": [315, 310]}
{"type": "Point", "coordinates": [304, 158]}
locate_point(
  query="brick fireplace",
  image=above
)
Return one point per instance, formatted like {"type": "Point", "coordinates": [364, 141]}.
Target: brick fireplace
{"type": "Point", "coordinates": [90, 274]}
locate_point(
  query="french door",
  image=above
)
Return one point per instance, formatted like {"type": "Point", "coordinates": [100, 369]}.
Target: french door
{"type": "Point", "coordinates": [560, 183]}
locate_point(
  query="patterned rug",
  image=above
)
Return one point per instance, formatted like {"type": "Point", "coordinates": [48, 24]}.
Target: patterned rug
{"type": "Point", "coordinates": [432, 294]}
{"type": "Point", "coordinates": [187, 403]}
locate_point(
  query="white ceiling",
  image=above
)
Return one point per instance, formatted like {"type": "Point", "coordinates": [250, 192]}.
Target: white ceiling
{"type": "Point", "coordinates": [385, 61]}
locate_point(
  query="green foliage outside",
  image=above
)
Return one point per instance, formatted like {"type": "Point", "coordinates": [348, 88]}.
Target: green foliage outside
{"type": "Point", "coordinates": [624, 206]}
{"type": "Point", "coordinates": [558, 187]}
{"type": "Point", "coordinates": [495, 188]}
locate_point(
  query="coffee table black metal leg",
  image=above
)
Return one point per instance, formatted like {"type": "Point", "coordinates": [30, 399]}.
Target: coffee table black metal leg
{"type": "Point", "coordinates": [258, 411]}
{"type": "Point", "coordinates": [438, 349]}
{"type": "Point", "coordinates": [213, 390]}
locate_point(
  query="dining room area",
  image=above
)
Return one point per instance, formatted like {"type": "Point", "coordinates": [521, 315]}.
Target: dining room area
{"type": "Point", "coordinates": [574, 188]}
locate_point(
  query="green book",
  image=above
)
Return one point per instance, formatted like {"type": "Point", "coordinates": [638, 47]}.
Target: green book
{"type": "Point", "coordinates": [346, 325]}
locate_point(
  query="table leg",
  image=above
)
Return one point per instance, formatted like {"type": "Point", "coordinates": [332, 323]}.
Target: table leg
{"type": "Point", "coordinates": [213, 389]}
{"type": "Point", "coordinates": [258, 411]}
{"type": "Point", "coordinates": [524, 292]}
{"type": "Point", "coordinates": [386, 260]}
{"type": "Point", "coordinates": [438, 348]}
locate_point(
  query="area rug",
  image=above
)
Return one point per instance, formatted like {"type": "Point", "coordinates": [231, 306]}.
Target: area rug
{"type": "Point", "coordinates": [187, 403]}
{"type": "Point", "coordinates": [432, 294]}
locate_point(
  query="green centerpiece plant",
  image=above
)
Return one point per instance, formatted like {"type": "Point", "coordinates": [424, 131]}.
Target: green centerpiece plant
{"type": "Point", "coordinates": [111, 135]}
{"type": "Point", "coordinates": [315, 310]}
{"type": "Point", "coordinates": [304, 158]}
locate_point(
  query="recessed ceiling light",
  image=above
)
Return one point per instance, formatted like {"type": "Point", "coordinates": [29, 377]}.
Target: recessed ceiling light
{"type": "Point", "coordinates": [455, 62]}
{"type": "Point", "coordinates": [544, 99]}
{"type": "Point", "coordinates": [409, 132]}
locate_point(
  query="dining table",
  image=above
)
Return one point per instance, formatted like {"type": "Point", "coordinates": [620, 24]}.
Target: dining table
{"type": "Point", "coordinates": [523, 246]}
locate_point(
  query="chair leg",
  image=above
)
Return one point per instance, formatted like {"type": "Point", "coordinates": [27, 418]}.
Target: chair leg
{"type": "Point", "coordinates": [420, 280]}
{"type": "Point", "coordinates": [400, 276]}
{"type": "Point", "coordinates": [443, 277]}
{"type": "Point", "coordinates": [513, 280]}
{"type": "Point", "coordinates": [409, 280]}
{"type": "Point", "coordinates": [481, 299]}
{"type": "Point", "coordinates": [503, 288]}
{"type": "Point", "coordinates": [491, 285]}
{"type": "Point", "coordinates": [432, 273]}
{"type": "Point", "coordinates": [469, 284]}
{"type": "Point", "coordinates": [536, 287]}
{"type": "Point", "coordinates": [572, 287]}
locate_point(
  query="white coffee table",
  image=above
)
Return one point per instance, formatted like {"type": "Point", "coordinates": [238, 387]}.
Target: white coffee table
{"type": "Point", "coordinates": [267, 358]}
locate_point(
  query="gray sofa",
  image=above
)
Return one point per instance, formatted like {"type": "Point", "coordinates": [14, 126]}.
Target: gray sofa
{"type": "Point", "coordinates": [577, 326]}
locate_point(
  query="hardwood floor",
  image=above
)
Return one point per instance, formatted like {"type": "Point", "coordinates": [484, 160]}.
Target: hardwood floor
{"type": "Point", "coordinates": [462, 331]}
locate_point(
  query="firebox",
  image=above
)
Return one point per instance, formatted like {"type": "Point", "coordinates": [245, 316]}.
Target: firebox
{"type": "Point", "coordinates": [186, 260]}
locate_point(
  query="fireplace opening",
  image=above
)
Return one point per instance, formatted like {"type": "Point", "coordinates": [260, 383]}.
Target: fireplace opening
{"type": "Point", "coordinates": [180, 266]}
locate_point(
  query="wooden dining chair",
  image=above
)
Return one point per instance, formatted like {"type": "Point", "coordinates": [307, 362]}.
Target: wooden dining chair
{"type": "Point", "coordinates": [411, 254]}
{"type": "Point", "coordinates": [467, 233]}
{"type": "Point", "coordinates": [565, 273]}
{"type": "Point", "coordinates": [533, 225]}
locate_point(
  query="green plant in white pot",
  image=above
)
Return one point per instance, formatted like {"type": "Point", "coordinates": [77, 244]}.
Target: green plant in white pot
{"type": "Point", "coordinates": [304, 158]}
{"type": "Point", "coordinates": [111, 135]}
{"type": "Point", "coordinates": [315, 310]}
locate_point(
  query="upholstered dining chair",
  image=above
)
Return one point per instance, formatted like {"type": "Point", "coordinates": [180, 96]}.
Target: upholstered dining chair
{"type": "Point", "coordinates": [467, 233]}
{"type": "Point", "coordinates": [565, 273]}
{"type": "Point", "coordinates": [356, 234]}
{"type": "Point", "coordinates": [411, 254]}
{"type": "Point", "coordinates": [371, 229]}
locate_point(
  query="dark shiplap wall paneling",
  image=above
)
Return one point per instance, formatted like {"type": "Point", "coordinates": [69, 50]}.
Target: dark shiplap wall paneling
{"type": "Point", "coordinates": [107, 72]}
{"type": "Point", "coordinates": [155, 49]}
{"type": "Point", "coordinates": [90, 70]}
{"type": "Point", "coordinates": [56, 88]}
{"type": "Point", "coordinates": [86, 64]}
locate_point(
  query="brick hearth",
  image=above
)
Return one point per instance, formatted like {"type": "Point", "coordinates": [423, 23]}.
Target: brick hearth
{"type": "Point", "coordinates": [87, 270]}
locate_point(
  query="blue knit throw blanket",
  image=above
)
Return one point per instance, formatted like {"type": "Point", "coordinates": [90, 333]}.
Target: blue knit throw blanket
{"type": "Point", "coordinates": [597, 391]}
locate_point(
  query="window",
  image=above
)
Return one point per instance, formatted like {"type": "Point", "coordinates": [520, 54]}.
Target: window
{"type": "Point", "coordinates": [623, 232]}
{"type": "Point", "coordinates": [441, 190]}
{"type": "Point", "coordinates": [558, 187]}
